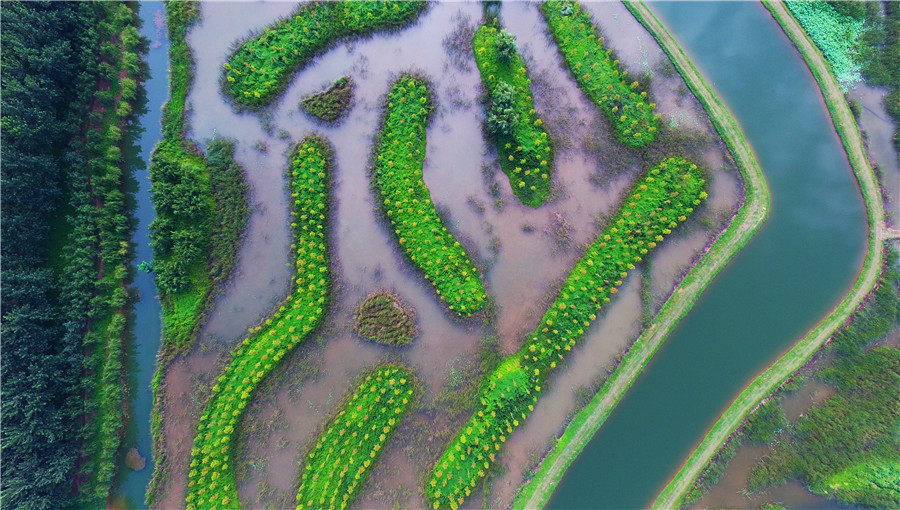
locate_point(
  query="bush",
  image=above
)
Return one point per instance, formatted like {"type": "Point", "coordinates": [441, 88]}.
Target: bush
{"type": "Point", "coordinates": [333, 473]}
{"type": "Point", "coordinates": [406, 201]}
{"type": "Point", "coordinates": [384, 318]}
{"type": "Point", "coordinates": [332, 103]}
{"type": "Point", "coordinates": [623, 103]}
{"type": "Point", "coordinates": [263, 65]}
{"type": "Point", "coordinates": [525, 152]}
{"type": "Point", "coordinates": [659, 201]}
{"type": "Point", "coordinates": [211, 478]}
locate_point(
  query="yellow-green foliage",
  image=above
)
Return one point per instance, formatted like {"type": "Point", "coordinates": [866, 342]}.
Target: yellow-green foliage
{"type": "Point", "coordinates": [660, 200]}
{"type": "Point", "coordinates": [623, 103]}
{"type": "Point", "coordinates": [405, 199]}
{"type": "Point", "coordinates": [263, 65]}
{"type": "Point", "coordinates": [345, 453]}
{"type": "Point", "coordinates": [875, 482]}
{"type": "Point", "coordinates": [525, 152]}
{"type": "Point", "coordinates": [211, 478]}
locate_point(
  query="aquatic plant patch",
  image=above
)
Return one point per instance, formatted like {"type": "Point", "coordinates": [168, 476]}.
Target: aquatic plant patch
{"type": "Point", "coordinates": [406, 202]}
{"type": "Point", "coordinates": [382, 317]}
{"type": "Point", "coordinates": [624, 104]}
{"type": "Point", "coordinates": [345, 453]}
{"type": "Point", "coordinates": [836, 34]}
{"type": "Point", "coordinates": [332, 103]}
{"type": "Point", "coordinates": [263, 65]}
{"type": "Point", "coordinates": [525, 152]}
{"type": "Point", "coordinates": [664, 197]}
{"type": "Point", "coordinates": [211, 478]}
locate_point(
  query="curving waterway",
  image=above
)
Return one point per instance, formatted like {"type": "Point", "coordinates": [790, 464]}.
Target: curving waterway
{"type": "Point", "coordinates": [788, 277]}
{"type": "Point", "coordinates": [147, 322]}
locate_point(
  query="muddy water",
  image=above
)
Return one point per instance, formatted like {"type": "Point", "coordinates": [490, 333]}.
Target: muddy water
{"type": "Point", "coordinates": [525, 253]}
{"type": "Point", "coordinates": [878, 131]}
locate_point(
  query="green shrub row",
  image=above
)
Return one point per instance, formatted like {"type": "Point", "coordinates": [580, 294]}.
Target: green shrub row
{"type": "Point", "coordinates": [526, 154]}
{"type": "Point", "coordinates": [406, 201]}
{"type": "Point", "coordinates": [659, 201]}
{"type": "Point", "coordinates": [263, 65]}
{"type": "Point", "coordinates": [336, 469]}
{"type": "Point", "coordinates": [332, 103]}
{"type": "Point", "coordinates": [625, 105]}
{"type": "Point", "coordinates": [211, 477]}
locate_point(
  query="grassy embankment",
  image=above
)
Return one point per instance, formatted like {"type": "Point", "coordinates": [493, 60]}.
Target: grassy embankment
{"type": "Point", "coordinates": [797, 356]}
{"type": "Point", "coordinates": [332, 103]}
{"type": "Point", "coordinates": [406, 202]}
{"type": "Point", "coordinates": [742, 228]}
{"type": "Point", "coordinates": [211, 479]}
{"type": "Point", "coordinates": [525, 151]}
{"type": "Point", "coordinates": [345, 452]}
{"type": "Point", "coordinates": [261, 67]}
{"type": "Point", "coordinates": [660, 200]}
{"type": "Point", "coordinates": [201, 212]}
{"type": "Point", "coordinates": [382, 317]}
{"type": "Point", "coordinates": [624, 104]}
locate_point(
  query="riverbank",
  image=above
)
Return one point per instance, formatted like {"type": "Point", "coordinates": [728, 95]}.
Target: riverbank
{"type": "Point", "coordinates": [745, 224]}
{"type": "Point", "coordinates": [774, 376]}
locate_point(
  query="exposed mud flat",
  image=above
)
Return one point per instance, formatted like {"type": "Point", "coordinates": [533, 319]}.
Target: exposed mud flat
{"type": "Point", "coordinates": [524, 253]}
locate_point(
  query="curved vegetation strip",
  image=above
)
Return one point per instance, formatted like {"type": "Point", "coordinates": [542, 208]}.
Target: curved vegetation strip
{"type": "Point", "coordinates": [211, 478]}
{"type": "Point", "coordinates": [404, 198]}
{"type": "Point", "coordinates": [625, 105]}
{"type": "Point", "coordinates": [345, 453]}
{"type": "Point", "coordinates": [776, 374]}
{"type": "Point", "coordinates": [749, 218]}
{"type": "Point", "coordinates": [525, 152]}
{"type": "Point", "coordinates": [659, 201]}
{"type": "Point", "coordinates": [382, 317]}
{"type": "Point", "coordinates": [262, 66]}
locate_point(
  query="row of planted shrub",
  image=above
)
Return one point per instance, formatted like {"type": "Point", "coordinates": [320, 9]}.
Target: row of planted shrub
{"type": "Point", "coordinates": [406, 201]}
{"type": "Point", "coordinates": [262, 66]}
{"type": "Point", "coordinates": [625, 105]}
{"type": "Point", "coordinates": [337, 467]}
{"type": "Point", "coordinates": [526, 154]}
{"type": "Point", "coordinates": [659, 201]}
{"type": "Point", "coordinates": [211, 478]}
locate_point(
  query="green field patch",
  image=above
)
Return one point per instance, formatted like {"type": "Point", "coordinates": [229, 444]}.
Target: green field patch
{"type": "Point", "coordinates": [661, 199]}
{"type": "Point", "coordinates": [211, 478]}
{"type": "Point", "coordinates": [835, 34]}
{"type": "Point", "coordinates": [345, 453]}
{"type": "Point", "coordinates": [262, 66]}
{"type": "Point", "coordinates": [382, 317]}
{"type": "Point", "coordinates": [332, 103]}
{"type": "Point", "coordinates": [404, 198]}
{"type": "Point", "coordinates": [873, 483]}
{"type": "Point", "coordinates": [625, 105]}
{"type": "Point", "coordinates": [525, 152]}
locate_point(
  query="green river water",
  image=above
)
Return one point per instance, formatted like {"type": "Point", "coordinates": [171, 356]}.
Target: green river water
{"type": "Point", "coordinates": [798, 267]}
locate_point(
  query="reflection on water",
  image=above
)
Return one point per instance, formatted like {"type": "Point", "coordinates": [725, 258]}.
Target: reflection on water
{"type": "Point", "coordinates": [523, 259]}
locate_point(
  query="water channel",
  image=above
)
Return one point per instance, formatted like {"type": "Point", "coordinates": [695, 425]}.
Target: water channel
{"type": "Point", "coordinates": [132, 484]}
{"type": "Point", "coordinates": [790, 275]}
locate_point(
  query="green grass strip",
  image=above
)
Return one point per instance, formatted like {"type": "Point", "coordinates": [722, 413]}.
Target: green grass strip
{"type": "Point", "coordinates": [345, 453]}
{"type": "Point", "coordinates": [874, 483]}
{"type": "Point", "coordinates": [526, 154]}
{"type": "Point", "coordinates": [211, 478]}
{"type": "Point", "coordinates": [659, 201]}
{"type": "Point", "coordinates": [624, 104]}
{"type": "Point", "coordinates": [405, 200]}
{"type": "Point", "coordinates": [262, 66]}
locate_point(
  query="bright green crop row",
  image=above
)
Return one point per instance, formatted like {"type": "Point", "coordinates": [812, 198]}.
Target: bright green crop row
{"type": "Point", "coordinates": [623, 103]}
{"type": "Point", "coordinates": [405, 199]}
{"type": "Point", "coordinates": [344, 454]}
{"type": "Point", "coordinates": [660, 200]}
{"type": "Point", "coordinates": [526, 155]}
{"type": "Point", "coordinates": [211, 479]}
{"type": "Point", "coordinates": [262, 66]}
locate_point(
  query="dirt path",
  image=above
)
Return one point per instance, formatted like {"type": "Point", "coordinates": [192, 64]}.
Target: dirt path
{"type": "Point", "coordinates": [745, 224]}
{"type": "Point", "coordinates": [673, 493]}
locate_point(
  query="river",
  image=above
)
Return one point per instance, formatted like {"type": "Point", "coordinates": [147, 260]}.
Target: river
{"type": "Point", "coordinates": [147, 323]}
{"type": "Point", "coordinates": [788, 277]}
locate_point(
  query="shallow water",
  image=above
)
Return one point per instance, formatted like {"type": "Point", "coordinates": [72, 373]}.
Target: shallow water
{"type": "Point", "coordinates": [878, 131]}
{"type": "Point", "coordinates": [522, 270]}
